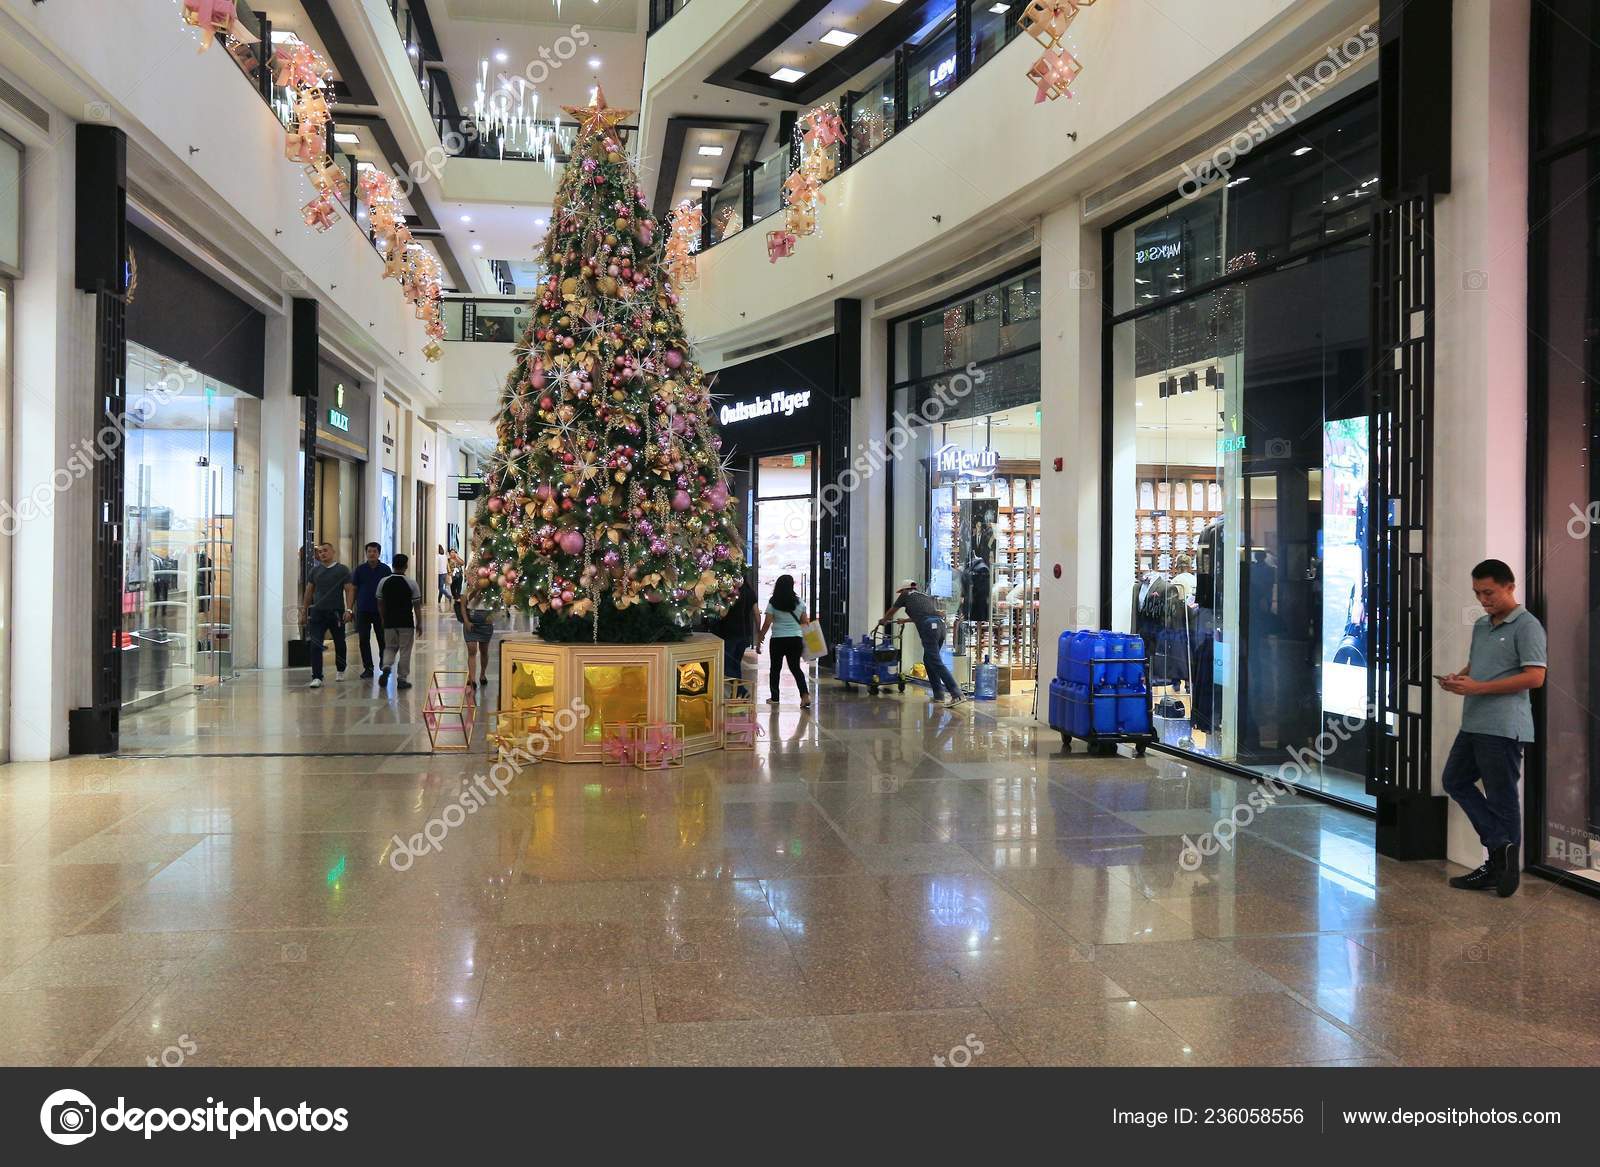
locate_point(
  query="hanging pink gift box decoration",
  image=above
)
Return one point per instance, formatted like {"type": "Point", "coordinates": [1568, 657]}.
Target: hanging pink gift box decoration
{"type": "Point", "coordinates": [296, 65]}
{"type": "Point", "coordinates": [1046, 21]}
{"type": "Point", "coordinates": [822, 128]}
{"type": "Point", "coordinates": [319, 213]}
{"type": "Point", "coordinates": [1054, 74]}
{"type": "Point", "coordinates": [780, 245]}
{"type": "Point", "coordinates": [328, 178]}
{"type": "Point", "coordinates": [216, 18]}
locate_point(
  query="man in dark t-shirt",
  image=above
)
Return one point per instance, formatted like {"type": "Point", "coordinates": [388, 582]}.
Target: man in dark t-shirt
{"type": "Point", "coordinates": [927, 615]}
{"type": "Point", "coordinates": [400, 609]}
{"type": "Point", "coordinates": [366, 577]}
{"type": "Point", "coordinates": [325, 606]}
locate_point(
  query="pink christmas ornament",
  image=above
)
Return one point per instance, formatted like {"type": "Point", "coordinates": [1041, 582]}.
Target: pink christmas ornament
{"type": "Point", "coordinates": [571, 542]}
{"type": "Point", "coordinates": [681, 500]}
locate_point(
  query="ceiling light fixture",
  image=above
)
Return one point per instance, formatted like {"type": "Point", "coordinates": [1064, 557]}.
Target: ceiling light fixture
{"type": "Point", "coordinates": [477, 247]}
{"type": "Point", "coordinates": [502, 56]}
{"type": "Point", "coordinates": [837, 37]}
{"type": "Point", "coordinates": [999, 9]}
{"type": "Point", "coordinates": [347, 139]}
{"type": "Point", "coordinates": [1302, 150]}
{"type": "Point", "coordinates": [700, 183]}
{"type": "Point", "coordinates": [711, 151]}
{"type": "Point", "coordinates": [788, 75]}
{"type": "Point", "coordinates": [594, 62]}
{"type": "Point", "coordinates": [466, 218]}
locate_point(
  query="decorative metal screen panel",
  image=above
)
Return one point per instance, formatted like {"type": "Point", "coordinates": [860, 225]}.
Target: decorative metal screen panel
{"type": "Point", "coordinates": [1400, 492]}
{"type": "Point", "coordinates": [110, 397]}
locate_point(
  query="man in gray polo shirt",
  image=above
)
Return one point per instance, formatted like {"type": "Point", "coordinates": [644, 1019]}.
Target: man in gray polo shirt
{"type": "Point", "coordinates": [1506, 662]}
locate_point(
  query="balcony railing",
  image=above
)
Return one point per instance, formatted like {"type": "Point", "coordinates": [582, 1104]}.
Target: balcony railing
{"type": "Point", "coordinates": [478, 318]}
{"type": "Point", "coordinates": [907, 85]}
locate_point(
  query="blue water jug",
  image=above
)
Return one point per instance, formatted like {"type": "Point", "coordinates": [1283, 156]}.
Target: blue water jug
{"type": "Point", "coordinates": [1064, 657]}
{"type": "Point", "coordinates": [1133, 713]}
{"type": "Point", "coordinates": [1101, 674]}
{"type": "Point", "coordinates": [1078, 709]}
{"type": "Point", "coordinates": [1082, 653]}
{"type": "Point", "coordinates": [1105, 712]}
{"type": "Point", "coordinates": [844, 660]}
{"type": "Point", "coordinates": [987, 683]}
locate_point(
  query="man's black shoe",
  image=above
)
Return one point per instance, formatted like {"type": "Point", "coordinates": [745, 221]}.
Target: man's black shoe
{"type": "Point", "coordinates": [1479, 880]}
{"type": "Point", "coordinates": [1508, 870]}
{"type": "Point", "coordinates": [383, 677]}
{"type": "Point", "coordinates": [365, 673]}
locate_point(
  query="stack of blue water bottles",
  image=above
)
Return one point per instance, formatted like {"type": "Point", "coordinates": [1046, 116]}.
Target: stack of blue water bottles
{"type": "Point", "coordinates": [1101, 693]}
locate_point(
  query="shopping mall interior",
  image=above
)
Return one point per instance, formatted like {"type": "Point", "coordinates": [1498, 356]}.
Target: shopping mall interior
{"type": "Point", "coordinates": [792, 533]}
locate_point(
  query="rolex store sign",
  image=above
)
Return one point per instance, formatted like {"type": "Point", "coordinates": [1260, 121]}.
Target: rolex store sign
{"type": "Point", "coordinates": [779, 403]}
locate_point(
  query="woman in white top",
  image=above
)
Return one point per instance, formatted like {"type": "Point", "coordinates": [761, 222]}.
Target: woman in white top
{"type": "Point", "coordinates": [784, 616]}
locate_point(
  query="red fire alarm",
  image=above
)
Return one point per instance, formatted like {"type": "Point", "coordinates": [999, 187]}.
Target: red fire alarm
{"type": "Point", "coordinates": [1056, 570]}
{"type": "Point", "coordinates": [1058, 465]}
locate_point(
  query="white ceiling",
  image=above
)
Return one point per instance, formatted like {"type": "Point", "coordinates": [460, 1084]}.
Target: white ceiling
{"type": "Point", "coordinates": [511, 233]}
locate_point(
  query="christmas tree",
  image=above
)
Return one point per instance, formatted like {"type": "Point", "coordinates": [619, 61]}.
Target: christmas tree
{"type": "Point", "coordinates": [608, 510]}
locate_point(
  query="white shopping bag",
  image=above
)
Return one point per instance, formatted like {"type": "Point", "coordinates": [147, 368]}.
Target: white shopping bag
{"type": "Point", "coordinates": [815, 644]}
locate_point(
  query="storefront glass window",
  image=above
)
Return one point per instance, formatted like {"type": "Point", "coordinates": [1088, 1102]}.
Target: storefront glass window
{"type": "Point", "coordinates": [1240, 422]}
{"type": "Point", "coordinates": [1563, 768]}
{"type": "Point", "coordinates": [872, 116]}
{"type": "Point", "coordinates": [967, 524]}
{"type": "Point", "coordinates": [931, 68]}
{"type": "Point", "coordinates": [993, 26]}
{"type": "Point", "coordinates": [186, 536]}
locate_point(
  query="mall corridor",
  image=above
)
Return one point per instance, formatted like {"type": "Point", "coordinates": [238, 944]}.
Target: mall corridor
{"type": "Point", "coordinates": [880, 883]}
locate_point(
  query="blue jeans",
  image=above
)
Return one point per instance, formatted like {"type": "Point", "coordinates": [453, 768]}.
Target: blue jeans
{"type": "Point", "coordinates": [318, 625]}
{"type": "Point", "coordinates": [1497, 762]}
{"type": "Point", "coordinates": [932, 632]}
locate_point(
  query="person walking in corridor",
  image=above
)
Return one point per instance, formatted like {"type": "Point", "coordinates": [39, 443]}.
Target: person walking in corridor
{"type": "Point", "coordinates": [400, 610]}
{"type": "Point", "coordinates": [328, 602]}
{"type": "Point", "coordinates": [924, 611]}
{"type": "Point", "coordinates": [1507, 660]}
{"type": "Point", "coordinates": [366, 577]}
{"type": "Point", "coordinates": [784, 616]}
{"type": "Point", "coordinates": [737, 628]}
{"type": "Point", "coordinates": [443, 568]}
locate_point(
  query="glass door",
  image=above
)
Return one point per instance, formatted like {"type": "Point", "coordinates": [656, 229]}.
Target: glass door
{"type": "Point", "coordinates": [5, 528]}
{"type": "Point", "coordinates": [178, 571]}
{"type": "Point", "coordinates": [785, 534]}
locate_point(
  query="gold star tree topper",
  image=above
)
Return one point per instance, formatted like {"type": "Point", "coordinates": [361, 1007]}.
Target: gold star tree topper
{"type": "Point", "coordinates": [598, 118]}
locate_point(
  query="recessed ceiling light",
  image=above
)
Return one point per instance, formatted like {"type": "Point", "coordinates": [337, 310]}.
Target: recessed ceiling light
{"type": "Point", "coordinates": [539, 223]}
{"type": "Point", "coordinates": [700, 183]}
{"type": "Point", "coordinates": [347, 139]}
{"type": "Point", "coordinates": [477, 247]}
{"type": "Point", "coordinates": [837, 36]}
{"type": "Point", "coordinates": [1302, 150]}
{"type": "Point", "coordinates": [788, 75]}
{"type": "Point", "coordinates": [466, 218]}
{"type": "Point", "coordinates": [594, 62]}
{"type": "Point", "coordinates": [999, 9]}
{"type": "Point", "coordinates": [710, 151]}
{"type": "Point", "coordinates": [502, 56]}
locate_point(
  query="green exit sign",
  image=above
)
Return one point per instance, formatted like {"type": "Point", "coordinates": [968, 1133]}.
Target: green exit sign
{"type": "Point", "coordinates": [799, 459]}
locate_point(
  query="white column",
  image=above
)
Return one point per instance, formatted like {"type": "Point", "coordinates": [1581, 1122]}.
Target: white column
{"type": "Point", "coordinates": [282, 495]}
{"type": "Point", "coordinates": [1481, 347]}
{"type": "Point", "coordinates": [372, 474]}
{"type": "Point", "coordinates": [869, 504]}
{"type": "Point", "coordinates": [1069, 363]}
{"type": "Point", "coordinates": [52, 552]}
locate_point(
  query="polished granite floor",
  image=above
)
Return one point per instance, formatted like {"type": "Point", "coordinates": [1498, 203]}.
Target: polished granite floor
{"type": "Point", "coordinates": [881, 883]}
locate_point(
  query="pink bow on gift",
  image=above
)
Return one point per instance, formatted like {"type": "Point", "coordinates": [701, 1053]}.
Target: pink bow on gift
{"type": "Point", "coordinates": [615, 747]}
{"type": "Point", "coordinates": [303, 146]}
{"type": "Point", "coordinates": [374, 185]}
{"type": "Point", "coordinates": [216, 16]}
{"type": "Point", "coordinates": [824, 129]}
{"type": "Point", "coordinates": [661, 744]}
{"type": "Point", "coordinates": [1054, 72]}
{"type": "Point", "coordinates": [319, 213]}
{"type": "Point", "coordinates": [780, 245]}
{"type": "Point", "coordinates": [297, 65]}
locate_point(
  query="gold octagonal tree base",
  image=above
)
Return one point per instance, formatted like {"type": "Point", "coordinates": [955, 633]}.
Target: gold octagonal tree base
{"type": "Point", "coordinates": [651, 683]}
